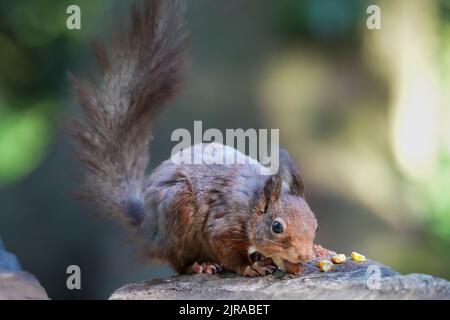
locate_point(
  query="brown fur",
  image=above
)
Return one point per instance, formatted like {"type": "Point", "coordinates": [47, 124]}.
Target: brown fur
{"type": "Point", "coordinates": [182, 213]}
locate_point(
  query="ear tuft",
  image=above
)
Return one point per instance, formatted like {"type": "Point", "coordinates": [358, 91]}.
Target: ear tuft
{"type": "Point", "coordinates": [290, 174]}
{"type": "Point", "coordinates": [272, 188]}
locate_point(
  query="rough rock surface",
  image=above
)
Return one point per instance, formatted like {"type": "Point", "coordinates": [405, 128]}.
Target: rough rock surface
{"type": "Point", "coordinates": [20, 286]}
{"type": "Point", "coordinates": [351, 280]}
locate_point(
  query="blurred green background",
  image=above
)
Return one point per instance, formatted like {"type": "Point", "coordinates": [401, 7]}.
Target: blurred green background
{"type": "Point", "coordinates": [366, 114]}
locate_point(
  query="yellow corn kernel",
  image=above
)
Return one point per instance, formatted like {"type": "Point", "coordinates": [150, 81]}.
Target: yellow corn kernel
{"type": "Point", "coordinates": [327, 266]}
{"type": "Point", "coordinates": [324, 265]}
{"type": "Point", "coordinates": [339, 258]}
{"type": "Point", "coordinates": [358, 257]}
{"type": "Point", "coordinates": [320, 263]}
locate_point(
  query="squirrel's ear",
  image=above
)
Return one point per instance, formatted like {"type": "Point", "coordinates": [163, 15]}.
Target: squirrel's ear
{"type": "Point", "coordinates": [272, 188]}
{"type": "Point", "coordinates": [290, 174]}
{"type": "Point", "coordinates": [270, 193]}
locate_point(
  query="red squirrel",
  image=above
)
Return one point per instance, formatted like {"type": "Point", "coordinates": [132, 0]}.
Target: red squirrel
{"type": "Point", "coordinates": [199, 218]}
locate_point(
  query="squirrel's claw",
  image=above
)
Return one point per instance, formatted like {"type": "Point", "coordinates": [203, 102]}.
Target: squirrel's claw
{"type": "Point", "coordinates": [205, 267]}
{"type": "Point", "coordinates": [262, 268]}
{"type": "Point", "coordinates": [248, 271]}
{"type": "Point", "coordinates": [258, 268]}
{"type": "Point", "coordinates": [211, 268]}
{"type": "Point", "coordinates": [196, 268]}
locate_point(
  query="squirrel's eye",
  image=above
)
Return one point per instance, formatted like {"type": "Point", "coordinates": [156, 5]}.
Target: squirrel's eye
{"type": "Point", "coordinates": [277, 227]}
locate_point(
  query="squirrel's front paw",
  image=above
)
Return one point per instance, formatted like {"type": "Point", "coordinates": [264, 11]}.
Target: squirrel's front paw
{"type": "Point", "coordinates": [320, 251]}
{"type": "Point", "coordinates": [205, 267]}
{"type": "Point", "coordinates": [258, 268]}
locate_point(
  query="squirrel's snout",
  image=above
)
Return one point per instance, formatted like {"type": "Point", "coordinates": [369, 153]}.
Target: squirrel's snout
{"type": "Point", "coordinates": [300, 255]}
{"type": "Point", "coordinates": [306, 255]}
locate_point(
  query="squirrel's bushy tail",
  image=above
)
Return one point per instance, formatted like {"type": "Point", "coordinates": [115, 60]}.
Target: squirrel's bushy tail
{"type": "Point", "coordinates": [138, 74]}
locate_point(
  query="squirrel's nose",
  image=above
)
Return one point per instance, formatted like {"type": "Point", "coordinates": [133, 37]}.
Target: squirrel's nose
{"type": "Point", "coordinates": [301, 254]}
{"type": "Point", "coordinates": [306, 256]}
